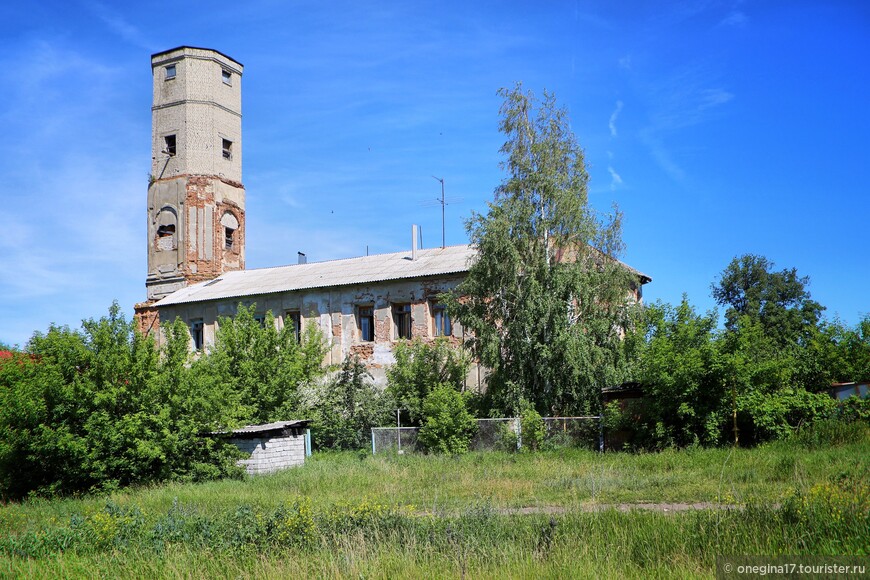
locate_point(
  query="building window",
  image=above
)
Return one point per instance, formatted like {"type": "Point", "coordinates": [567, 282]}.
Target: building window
{"type": "Point", "coordinates": [169, 145]}
{"type": "Point", "coordinates": [196, 333]}
{"type": "Point", "coordinates": [402, 320]}
{"type": "Point", "coordinates": [441, 320]}
{"type": "Point", "coordinates": [228, 238]}
{"type": "Point", "coordinates": [366, 321]}
{"type": "Point", "coordinates": [227, 77]}
{"type": "Point", "coordinates": [166, 237]}
{"type": "Point", "coordinates": [260, 319]}
{"type": "Point", "coordinates": [227, 148]}
{"type": "Point", "coordinates": [293, 320]}
{"type": "Point", "coordinates": [170, 72]}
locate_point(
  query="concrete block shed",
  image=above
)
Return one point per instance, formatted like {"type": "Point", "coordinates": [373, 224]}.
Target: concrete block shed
{"type": "Point", "coordinates": [273, 446]}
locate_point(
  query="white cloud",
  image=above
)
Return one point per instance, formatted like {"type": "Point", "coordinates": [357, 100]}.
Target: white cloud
{"type": "Point", "coordinates": [115, 23]}
{"type": "Point", "coordinates": [735, 18]}
{"type": "Point", "coordinates": [615, 179]}
{"type": "Point", "coordinates": [613, 117]}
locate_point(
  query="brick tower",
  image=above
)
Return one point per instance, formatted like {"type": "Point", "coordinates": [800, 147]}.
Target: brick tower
{"type": "Point", "coordinates": [196, 200]}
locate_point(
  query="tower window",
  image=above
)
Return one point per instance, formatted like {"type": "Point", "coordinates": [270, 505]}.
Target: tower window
{"type": "Point", "coordinates": [166, 237]}
{"type": "Point", "coordinates": [169, 145]}
{"type": "Point", "coordinates": [170, 72]}
{"type": "Point", "coordinates": [402, 320]}
{"type": "Point", "coordinates": [227, 148]}
{"type": "Point", "coordinates": [227, 77]}
{"type": "Point", "coordinates": [228, 238]}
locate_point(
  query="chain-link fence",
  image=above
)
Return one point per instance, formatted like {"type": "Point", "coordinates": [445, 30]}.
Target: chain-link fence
{"type": "Point", "coordinates": [503, 434]}
{"type": "Point", "coordinates": [395, 439]}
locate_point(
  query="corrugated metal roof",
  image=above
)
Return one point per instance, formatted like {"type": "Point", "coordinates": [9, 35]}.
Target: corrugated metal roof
{"type": "Point", "coordinates": [361, 270]}
{"type": "Point", "coordinates": [276, 426]}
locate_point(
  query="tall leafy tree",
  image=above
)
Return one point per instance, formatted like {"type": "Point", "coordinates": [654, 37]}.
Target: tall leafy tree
{"type": "Point", "coordinates": [545, 299]}
{"type": "Point", "coordinates": [260, 366]}
{"type": "Point", "coordinates": [778, 300]}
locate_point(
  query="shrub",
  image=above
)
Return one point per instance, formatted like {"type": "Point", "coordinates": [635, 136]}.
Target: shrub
{"type": "Point", "coordinates": [532, 429]}
{"type": "Point", "coordinates": [420, 368]}
{"type": "Point", "coordinates": [345, 408]}
{"type": "Point", "coordinates": [447, 425]}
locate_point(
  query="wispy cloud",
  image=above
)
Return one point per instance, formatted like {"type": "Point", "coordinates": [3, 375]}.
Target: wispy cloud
{"type": "Point", "coordinates": [119, 26]}
{"type": "Point", "coordinates": [613, 117]}
{"type": "Point", "coordinates": [615, 179]}
{"type": "Point", "coordinates": [735, 18]}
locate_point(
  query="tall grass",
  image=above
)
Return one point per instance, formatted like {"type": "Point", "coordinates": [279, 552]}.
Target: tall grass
{"type": "Point", "coordinates": [376, 540]}
{"type": "Point", "coordinates": [388, 516]}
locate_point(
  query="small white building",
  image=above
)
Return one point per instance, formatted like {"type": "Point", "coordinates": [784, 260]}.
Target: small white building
{"type": "Point", "coordinates": [273, 446]}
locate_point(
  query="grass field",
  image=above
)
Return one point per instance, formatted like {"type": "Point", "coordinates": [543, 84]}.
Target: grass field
{"type": "Point", "coordinates": [347, 514]}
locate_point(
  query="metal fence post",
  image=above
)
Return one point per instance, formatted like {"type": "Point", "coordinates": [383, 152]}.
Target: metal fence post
{"type": "Point", "coordinates": [518, 430]}
{"type": "Point", "coordinates": [601, 433]}
{"type": "Point", "coordinates": [308, 443]}
{"type": "Point", "coordinates": [373, 442]}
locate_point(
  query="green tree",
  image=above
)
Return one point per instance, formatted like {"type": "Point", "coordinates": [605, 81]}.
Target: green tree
{"type": "Point", "coordinates": [260, 367]}
{"type": "Point", "coordinates": [420, 368]}
{"type": "Point", "coordinates": [778, 300]}
{"type": "Point", "coordinates": [545, 298]}
{"type": "Point", "coordinates": [447, 424]}
{"type": "Point", "coordinates": [103, 407]}
{"type": "Point", "coordinates": [346, 407]}
{"type": "Point", "coordinates": [681, 369]}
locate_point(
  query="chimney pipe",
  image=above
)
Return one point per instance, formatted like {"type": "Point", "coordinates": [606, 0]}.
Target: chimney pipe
{"type": "Point", "coordinates": [302, 258]}
{"type": "Point", "coordinates": [413, 242]}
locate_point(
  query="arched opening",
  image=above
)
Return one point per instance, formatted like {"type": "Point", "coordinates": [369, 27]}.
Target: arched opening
{"type": "Point", "coordinates": [231, 227]}
{"type": "Point", "coordinates": [165, 237]}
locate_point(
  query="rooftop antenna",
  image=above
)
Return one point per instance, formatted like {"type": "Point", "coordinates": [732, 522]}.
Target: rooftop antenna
{"type": "Point", "coordinates": [443, 203]}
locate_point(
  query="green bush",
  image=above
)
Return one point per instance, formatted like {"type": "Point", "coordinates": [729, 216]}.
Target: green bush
{"type": "Point", "coordinates": [420, 368]}
{"type": "Point", "coordinates": [345, 408]}
{"type": "Point", "coordinates": [447, 425]}
{"type": "Point", "coordinates": [532, 430]}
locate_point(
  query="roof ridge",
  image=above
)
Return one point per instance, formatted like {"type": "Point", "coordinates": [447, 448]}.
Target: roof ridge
{"type": "Point", "coordinates": [343, 259]}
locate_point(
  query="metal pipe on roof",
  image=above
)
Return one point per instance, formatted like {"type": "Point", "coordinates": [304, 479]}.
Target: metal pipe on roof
{"type": "Point", "coordinates": [414, 242]}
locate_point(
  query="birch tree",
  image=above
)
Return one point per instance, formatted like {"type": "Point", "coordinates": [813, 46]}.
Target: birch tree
{"type": "Point", "coordinates": [546, 298]}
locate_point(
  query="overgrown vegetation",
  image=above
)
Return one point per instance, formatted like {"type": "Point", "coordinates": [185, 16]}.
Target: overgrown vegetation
{"type": "Point", "coordinates": [545, 297]}
{"type": "Point", "coordinates": [446, 516]}
{"type": "Point", "coordinates": [103, 407]}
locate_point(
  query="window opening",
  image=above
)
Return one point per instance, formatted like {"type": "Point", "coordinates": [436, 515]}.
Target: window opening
{"type": "Point", "coordinates": [169, 145]}
{"type": "Point", "coordinates": [366, 320]}
{"type": "Point", "coordinates": [228, 238]}
{"type": "Point", "coordinates": [170, 72]}
{"type": "Point", "coordinates": [261, 319]}
{"type": "Point", "coordinates": [402, 320]}
{"type": "Point", "coordinates": [166, 237]}
{"type": "Point", "coordinates": [227, 77]}
{"type": "Point", "coordinates": [441, 319]}
{"type": "Point", "coordinates": [294, 321]}
{"type": "Point", "coordinates": [227, 148]}
{"type": "Point", "coordinates": [196, 333]}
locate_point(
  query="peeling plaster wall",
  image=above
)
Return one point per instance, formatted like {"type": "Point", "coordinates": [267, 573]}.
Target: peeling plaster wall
{"type": "Point", "coordinates": [192, 190]}
{"type": "Point", "coordinates": [334, 313]}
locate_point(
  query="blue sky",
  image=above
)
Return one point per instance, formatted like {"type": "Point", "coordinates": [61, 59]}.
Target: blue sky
{"type": "Point", "coordinates": [720, 128]}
